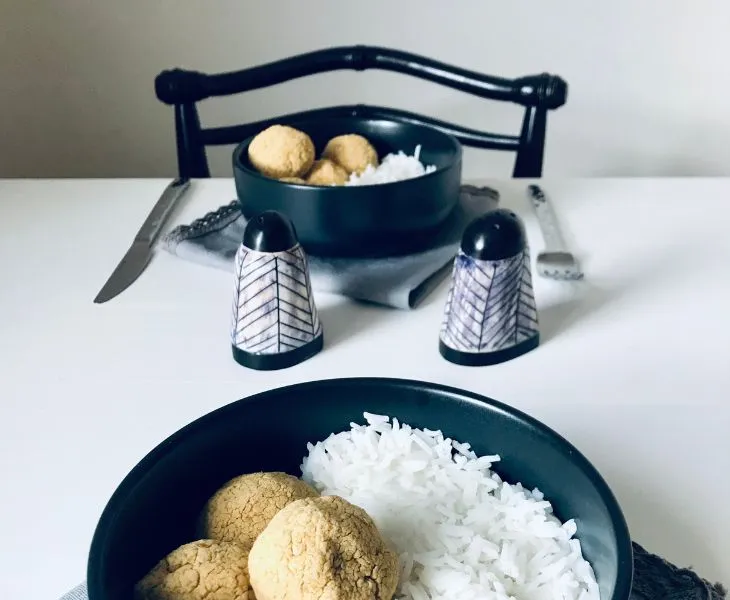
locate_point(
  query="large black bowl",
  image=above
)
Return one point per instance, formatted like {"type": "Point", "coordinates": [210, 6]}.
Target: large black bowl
{"type": "Point", "coordinates": [366, 221]}
{"type": "Point", "coordinates": [154, 509]}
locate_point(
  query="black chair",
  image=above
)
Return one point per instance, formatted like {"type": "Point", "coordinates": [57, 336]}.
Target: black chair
{"type": "Point", "coordinates": [183, 89]}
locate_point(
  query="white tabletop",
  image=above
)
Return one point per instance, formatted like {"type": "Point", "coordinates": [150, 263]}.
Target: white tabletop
{"type": "Point", "coordinates": [633, 368]}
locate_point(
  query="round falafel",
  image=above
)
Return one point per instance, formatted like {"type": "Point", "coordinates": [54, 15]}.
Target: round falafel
{"type": "Point", "coordinates": [352, 152]}
{"type": "Point", "coordinates": [241, 509]}
{"type": "Point", "coordinates": [201, 570]}
{"type": "Point", "coordinates": [281, 151]}
{"type": "Point", "coordinates": [322, 547]}
{"type": "Point", "coordinates": [326, 172]}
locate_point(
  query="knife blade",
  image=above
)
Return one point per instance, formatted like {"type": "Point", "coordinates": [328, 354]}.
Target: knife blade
{"type": "Point", "coordinates": [139, 254]}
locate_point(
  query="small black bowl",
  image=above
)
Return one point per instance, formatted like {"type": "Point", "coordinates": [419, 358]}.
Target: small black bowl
{"type": "Point", "coordinates": [155, 507]}
{"type": "Point", "coordinates": [364, 221]}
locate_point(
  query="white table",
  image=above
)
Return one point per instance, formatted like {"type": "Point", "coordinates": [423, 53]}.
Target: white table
{"type": "Point", "coordinates": [634, 368]}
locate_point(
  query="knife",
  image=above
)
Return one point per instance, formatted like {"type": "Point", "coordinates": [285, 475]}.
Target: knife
{"type": "Point", "coordinates": [140, 252]}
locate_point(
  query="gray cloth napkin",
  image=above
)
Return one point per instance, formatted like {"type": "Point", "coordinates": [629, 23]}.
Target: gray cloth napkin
{"type": "Point", "coordinates": [654, 579]}
{"type": "Point", "coordinates": [400, 282]}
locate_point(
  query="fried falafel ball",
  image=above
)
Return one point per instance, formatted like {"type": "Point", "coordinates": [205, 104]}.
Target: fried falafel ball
{"type": "Point", "coordinates": [281, 151]}
{"type": "Point", "coordinates": [352, 152]}
{"type": "Point", "coordinates": [201, 570]}
{"type": "Point", "coordinates": [319, 548]}
{"type": "Point", "coordinates": [241, 509]}
{"type": "Point", "coordinates": [326, 172]}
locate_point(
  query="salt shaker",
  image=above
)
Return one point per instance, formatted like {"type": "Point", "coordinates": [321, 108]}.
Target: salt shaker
{"type": "Point", "coordinates": [275, 323]}
{"type": "Point", "coordinates": [490, 314]}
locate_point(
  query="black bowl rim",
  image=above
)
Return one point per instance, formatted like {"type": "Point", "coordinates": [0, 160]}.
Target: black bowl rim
{"type": "Point", "coordinates": [241, 146]}
{"type": "Point", "coordinates": [624, 579]}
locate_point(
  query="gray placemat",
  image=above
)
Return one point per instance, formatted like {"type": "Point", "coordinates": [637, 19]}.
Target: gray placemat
{"type": "Point", "coordinates": [654, 579]}
{"type": "Point", "coordinates": [400, 282]}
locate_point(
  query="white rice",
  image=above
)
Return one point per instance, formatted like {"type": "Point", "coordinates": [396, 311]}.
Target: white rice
{"type": "Point", "coordinates": [393, 167]}
{"type": "Point", "coordinates": [460, 531]}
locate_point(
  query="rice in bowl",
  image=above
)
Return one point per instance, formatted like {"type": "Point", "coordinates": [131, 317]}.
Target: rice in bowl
{"type": "Point", "coordinates": [459, 530]}
{"type": "Point", "coordinates": [395, 166]}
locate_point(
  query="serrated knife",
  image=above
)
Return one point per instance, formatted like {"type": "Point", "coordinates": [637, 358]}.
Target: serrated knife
{"type": "Point", "coordinates": [140, 252]}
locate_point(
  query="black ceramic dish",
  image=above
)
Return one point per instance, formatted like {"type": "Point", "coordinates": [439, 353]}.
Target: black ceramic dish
{"type": "Point", "coordinates": [365, 221]}
{"type": "Point", "coordinates": [154, 508]}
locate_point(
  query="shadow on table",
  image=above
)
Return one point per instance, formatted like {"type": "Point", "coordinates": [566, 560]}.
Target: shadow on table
{"type": "Point", "coordinates": [584, 299]}
{"type": "Point", "coordinates": [347, 319]}
{"type": "Point", "coordinates": [660, 528]}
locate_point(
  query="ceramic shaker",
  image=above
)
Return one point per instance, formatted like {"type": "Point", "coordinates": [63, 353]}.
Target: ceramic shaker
{"type": "Point", "coordinates": [490, 314]}
{"type": "Point", "coordinates": [275, 323]}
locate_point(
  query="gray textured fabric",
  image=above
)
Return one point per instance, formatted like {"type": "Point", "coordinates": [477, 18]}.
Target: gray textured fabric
{"type": "Point", "coordinates": [400, 282]}
{"type": "Point", "coordinates": [654, 579]}
{"type": "Point", "coordinates": [78, 593]}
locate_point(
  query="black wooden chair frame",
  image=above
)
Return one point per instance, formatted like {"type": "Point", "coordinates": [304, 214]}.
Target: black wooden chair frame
{"type": "Point", "coordinates": [182, 89]}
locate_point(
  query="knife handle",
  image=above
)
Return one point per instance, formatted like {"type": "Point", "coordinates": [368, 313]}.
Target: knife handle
{"type": "Point", "coordinates": [161, 211]}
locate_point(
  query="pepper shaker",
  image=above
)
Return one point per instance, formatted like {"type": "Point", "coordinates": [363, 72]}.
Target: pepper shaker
{"type": "Point", "coordinates": [490, 314]}
{"type": "Point", "coordinates": [275, 323]}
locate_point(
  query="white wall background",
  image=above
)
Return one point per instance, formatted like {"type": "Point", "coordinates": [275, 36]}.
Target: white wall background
{"type": "Point", "coordinates": [649, 80]}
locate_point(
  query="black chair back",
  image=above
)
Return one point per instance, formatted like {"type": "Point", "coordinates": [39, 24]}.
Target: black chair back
{"type": "Point", "coordinates": [182, 89]}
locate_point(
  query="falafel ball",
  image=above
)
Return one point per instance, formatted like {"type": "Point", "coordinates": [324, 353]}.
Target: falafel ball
{"type": "Point", "coordinates": [353, 152]}
{"type": "Point", "coordinates": [281, 151]}
{"type": "Point", "coordinates": [319, 548]}
{"type": "Point", "coordinates": [326, 172]}
{"type": "Point", "coordinates": [241, 509]}
{"type": "Point", "coordinates": [201, 570]}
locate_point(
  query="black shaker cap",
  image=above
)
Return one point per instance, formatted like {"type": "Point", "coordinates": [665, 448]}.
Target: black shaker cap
{"type": "Point", "coordinates": [495, 235]}
{"type": "Point", "coordinates": [270, 231]}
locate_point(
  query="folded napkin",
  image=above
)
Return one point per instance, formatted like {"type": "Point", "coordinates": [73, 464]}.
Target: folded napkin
{"type": "Point", "coordinates": [400, 282]}
{"type": "Point", "coordinates": [654, 579]}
